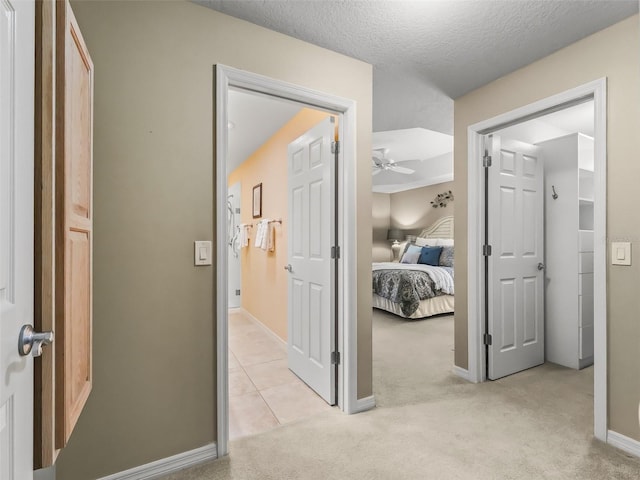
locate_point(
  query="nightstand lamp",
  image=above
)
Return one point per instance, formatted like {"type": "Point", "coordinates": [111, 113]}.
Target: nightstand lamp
{"type": "Point", "coordinates": [396, 235]}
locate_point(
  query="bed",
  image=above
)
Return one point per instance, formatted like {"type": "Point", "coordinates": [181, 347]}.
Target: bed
{"type": "Point", "coordinates": [418, 290]}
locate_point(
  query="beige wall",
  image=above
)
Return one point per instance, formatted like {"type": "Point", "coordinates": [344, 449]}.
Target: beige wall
{"type": "Point", "coordinates": [264, 280]}
{"type": "Point", "coordinates": [411, 210]}
{"type": "Point", "coordinates": [154, 344]}
{"type": "Point", "coordinates": [381, 220]}
{"type": "Point", "coordinates": [611, 53]}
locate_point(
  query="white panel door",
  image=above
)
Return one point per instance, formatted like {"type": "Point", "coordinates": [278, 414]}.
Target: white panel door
{"type": "Point", "coordinates": [233, 246]}
{"type": "Point", "coordinates": [16, 235]}
{"type": "Point", "coordinates": [311, 232]}
{"type": "Point", "coordinates": [515, 277]}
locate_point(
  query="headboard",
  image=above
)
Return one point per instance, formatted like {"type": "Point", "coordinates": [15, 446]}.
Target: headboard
{"type": "Point", "coordinates": [442, 228]}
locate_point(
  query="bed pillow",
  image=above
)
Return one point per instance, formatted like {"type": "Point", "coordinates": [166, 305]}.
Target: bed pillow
{"type": "Point", "coordinates": [444, 242]}
{"type": "Point", "coordinates": [430, 255]}
{"type": "Point", "coordinates": [426, 242]}
{"type": "Point", "coordinates": [404, 246]}
{"type": "Point", "coordinates": [434, 242]}
{"type": "Point", "coordinates": [446, 257]}
{"type": "Point", "coordinates": [412, 254]}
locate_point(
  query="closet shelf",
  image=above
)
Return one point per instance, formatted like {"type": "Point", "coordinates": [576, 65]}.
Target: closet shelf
{"type": "Point", "coordinates": [585, 201]}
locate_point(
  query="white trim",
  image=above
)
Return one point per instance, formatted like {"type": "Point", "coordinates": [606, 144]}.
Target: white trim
{"type": "Point", "coordinates": [266, 329]}
{"type": "Point", "coordinates": [221, 85]}
{"type": "Point", "coordinates": [475, 278]}
{"type": "Point", "coordinates": [461, 372]}
{"type": "Point", "coordinates": [226, 77]}
{"type": "Point", "coordinates": [168, 465]}
{"type": "Point", "coordinates": [624, 443]}
{"type": "Point", "coordinates": [600, 375]}
{"type": "Point", "coordinates": [475, 236]}
{"type": "Point", "coordinates": [364, 404]}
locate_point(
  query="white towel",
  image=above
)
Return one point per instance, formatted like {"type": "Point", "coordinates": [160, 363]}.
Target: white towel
{"type": "Point", "coordinates": [259, 232]}
{"type": "Point", "coordinates": [244, 235]}
{"type": "Point", "coordinates": [264, 244]}
{"type": "Point", "coordinates": [262, 234]}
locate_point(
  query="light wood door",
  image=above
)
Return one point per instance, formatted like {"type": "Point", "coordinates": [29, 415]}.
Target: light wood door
{"type": "Point", "coordinates": [74, 222]}
{"type": "Point", "coordinates": [16, 235]}
{"type": "Point", "coordinates": [515, 277]}
{"type": "Point", "coordinates": [311, 330]}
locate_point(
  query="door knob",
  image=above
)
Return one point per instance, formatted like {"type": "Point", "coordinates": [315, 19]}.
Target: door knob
{"type": "Point", "coordinates": [541, 266]}
{"type": "Point", "coordinates": [32, 342]}
{"type": "Point", "coordinates": [289, 268]}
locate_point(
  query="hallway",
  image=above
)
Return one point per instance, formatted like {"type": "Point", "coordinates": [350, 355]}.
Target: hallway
{"type": "Point", "coordinates": [431, 424]}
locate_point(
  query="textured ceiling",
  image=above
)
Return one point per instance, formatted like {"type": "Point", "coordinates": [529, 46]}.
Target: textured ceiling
{"type": "Point", "coordinates": [454, 45]}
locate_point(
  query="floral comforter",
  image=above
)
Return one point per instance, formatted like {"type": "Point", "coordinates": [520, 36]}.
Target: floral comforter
{"type": "Point", "coordinates": [407, 284]}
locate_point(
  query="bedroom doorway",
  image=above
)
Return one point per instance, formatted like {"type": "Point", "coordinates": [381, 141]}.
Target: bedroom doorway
{"type": "Point", "coordinates": [261, 211]}
{"type": "Point", "coordinates": [413, 302]}
{"type": "Point", "coordinates": [509, 270]}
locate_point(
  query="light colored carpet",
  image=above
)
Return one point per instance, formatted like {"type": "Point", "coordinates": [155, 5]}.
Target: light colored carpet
{"type": "Point", "coordinates": [430, 424]}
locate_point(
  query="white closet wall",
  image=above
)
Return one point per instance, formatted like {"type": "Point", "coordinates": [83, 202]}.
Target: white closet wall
{"type": "Point", "coordinates": [568, 163]}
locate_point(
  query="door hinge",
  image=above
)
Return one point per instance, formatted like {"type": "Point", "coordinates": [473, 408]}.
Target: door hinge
{"type": "Point", "coordinates": [335, 358]}
{"type": "Point", "coordinates": [335, 147]}
{"type": "Point", "coordinates": [486, 250]}
{"type": "Point", "coordinates": [487, 339]}
{"type": "Point", "coordinates": [335, 252]}
{"type": "Point", "coordinates": [486, 161]}
{"type": "Point", "coordinates": [237, 210]}
{"type": "Point", "coordinates": [237, 292]}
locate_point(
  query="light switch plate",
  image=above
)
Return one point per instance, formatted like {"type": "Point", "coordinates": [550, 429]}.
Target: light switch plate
{"type": "Point", "coordinates": [202, 252]}
{"type": "Point", "coordinates": [620, 253]}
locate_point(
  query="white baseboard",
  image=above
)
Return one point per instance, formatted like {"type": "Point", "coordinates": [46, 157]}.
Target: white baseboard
{"type": "Point", "coordinates": [167, 465]}
{"type": "Point", "coordinates": [264, 327]}
{"type": "Point", "coordinates": [624, 443]}
{"type": "Point", "coordinates": [364, 404]}
{"type": "Point", "coordinates": [461, 372]}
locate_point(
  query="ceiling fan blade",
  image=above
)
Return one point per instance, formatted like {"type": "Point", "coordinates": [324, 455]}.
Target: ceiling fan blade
{"type": "Point", "coordinates": [409, 160]}
{"type": "Point", "coordinates": [403, 170]}
{"type": "Point", "coordinates": [376, 171]}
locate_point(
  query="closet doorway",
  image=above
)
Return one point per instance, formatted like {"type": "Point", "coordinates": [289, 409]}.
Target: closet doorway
{"type": "Point", "coordinates": [537, 280]}
{"type": "Point", "coordinates": [291, 314]}
{"type": "Point", "coordinates": [539, 225]}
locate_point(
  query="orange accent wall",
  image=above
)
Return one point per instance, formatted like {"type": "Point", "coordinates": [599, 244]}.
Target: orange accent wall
{"type": "Point", "coordinates": [264, 280]}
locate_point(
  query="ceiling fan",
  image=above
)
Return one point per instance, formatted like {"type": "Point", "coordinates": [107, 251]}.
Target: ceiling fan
{"type": "Point", "coordinates": [382, 163]}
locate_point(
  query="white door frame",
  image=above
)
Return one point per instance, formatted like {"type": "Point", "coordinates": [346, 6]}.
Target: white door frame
{"type": "Point", "coordinates": [224, 78]}
{"type": "Point", "coordinates": [475, 234]}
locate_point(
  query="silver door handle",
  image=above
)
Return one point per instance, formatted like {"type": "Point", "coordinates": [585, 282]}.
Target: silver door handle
{"type": "Point", "coordinates": [32, 342]}
{"type": "Point", "coordinates": [541, 266]}
{"type": "Point", "coordinates": [288, 267]}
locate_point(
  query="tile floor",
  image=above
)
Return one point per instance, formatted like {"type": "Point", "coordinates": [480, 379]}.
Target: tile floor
{"type": "Point", "coordinates": [263, 392]}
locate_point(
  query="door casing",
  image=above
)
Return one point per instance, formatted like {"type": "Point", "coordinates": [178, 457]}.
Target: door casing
{"type": "Point", "coordinates": [227, 77]}
{"type": "Point", "coordinates": [596, 90]}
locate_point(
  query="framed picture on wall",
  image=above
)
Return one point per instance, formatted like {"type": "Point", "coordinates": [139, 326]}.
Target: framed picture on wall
{"type": "Point", "coordinates": [257, 201]}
